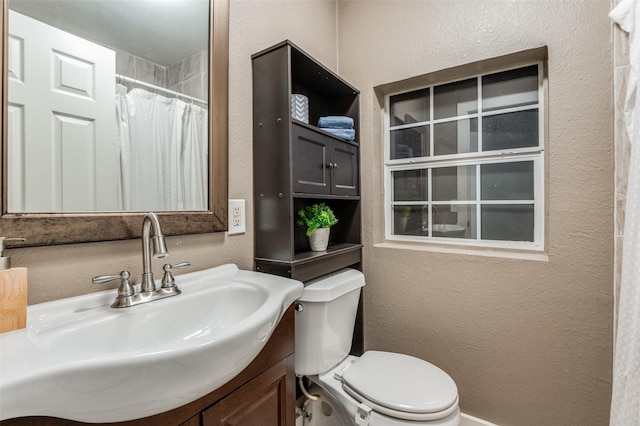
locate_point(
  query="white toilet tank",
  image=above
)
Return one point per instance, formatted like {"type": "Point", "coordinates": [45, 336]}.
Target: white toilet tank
{"type": "Point", "coordinates": [324, 326]}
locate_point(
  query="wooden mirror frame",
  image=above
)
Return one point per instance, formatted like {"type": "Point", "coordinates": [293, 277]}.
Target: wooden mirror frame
{"type": "Point", "coordinates": [64, 228]}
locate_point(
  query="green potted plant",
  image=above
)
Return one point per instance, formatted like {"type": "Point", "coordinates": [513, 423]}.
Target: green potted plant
{"type": "Point", "coordinates": [317, 218]}
{"type": "Point", "coordinates": [405, 213]}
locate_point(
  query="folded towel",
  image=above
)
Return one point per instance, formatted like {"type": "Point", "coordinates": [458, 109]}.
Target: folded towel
{"type": "Point", "coordinates": [336, 122]}
{"type": "Point", "coordinates": [348, 134]}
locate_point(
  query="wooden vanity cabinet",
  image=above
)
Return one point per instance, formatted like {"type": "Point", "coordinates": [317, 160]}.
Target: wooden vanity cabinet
{"type": "Point", "coordinates": [263, 394]}
{"type": "Point", "coordinates": [262, 401]}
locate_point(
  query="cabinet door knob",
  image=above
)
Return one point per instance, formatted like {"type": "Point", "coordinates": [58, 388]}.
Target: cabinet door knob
{"type": "Point", "coordinates": [330, 165]}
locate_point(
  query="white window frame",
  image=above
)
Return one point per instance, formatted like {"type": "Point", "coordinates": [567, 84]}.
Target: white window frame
{"type": "Point", "coordinates": [535, 154]}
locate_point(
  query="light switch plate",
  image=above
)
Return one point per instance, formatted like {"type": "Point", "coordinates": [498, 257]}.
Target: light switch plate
{"type": "Point", "coordinates": [237, 217]}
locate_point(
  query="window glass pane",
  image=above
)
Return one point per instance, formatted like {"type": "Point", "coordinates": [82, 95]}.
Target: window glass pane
{"type": "Point", "coordinates": [507, 222]}
{"type": "Point", "coordinates": [410, 185]}
{"type": "Point", "coordinates": [407, 143]}
{"type": "Point", "coordinates": [410, 107]}
{"type": "Point", "coordinates": [445, 182]}
{"type": "Point", "coordinates": [407, 220]}
{"type": "Point", "coordinates": [507, 181]}
{"type": "Point", "coordinates": [508, 131]}
{"type": "Point", "coordinates": [454, 221]}
{"type": "Point", "coordinates": [454, 99]}
{"type": "Point", "coordinates": [510, 88]}
{"type": "Point", "coordinates": [454, 183]}
{"type": "Point", "coordinates": [456, 137]}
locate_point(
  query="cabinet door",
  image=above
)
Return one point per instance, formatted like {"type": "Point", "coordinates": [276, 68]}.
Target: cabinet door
{"type": "Point", "coordinates": [323, 165]}
{"type": "Point", "coordinates": [344, 169]}
{"type": "Point", "coordinates": [310, 161]}
{"type": "Point", "coordinates": [193, 421]}
{"type": "Point", "coordinates": [261, 402]}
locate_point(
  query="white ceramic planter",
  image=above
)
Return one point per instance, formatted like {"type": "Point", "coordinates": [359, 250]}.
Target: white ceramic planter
{"type": "Point", "coordinates": [402, 223]}
{"type": "Point", "coordinates": [319, 240]}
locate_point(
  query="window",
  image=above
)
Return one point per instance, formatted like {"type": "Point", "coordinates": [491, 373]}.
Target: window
{"type": "Point", "coordinates": [464, 161]}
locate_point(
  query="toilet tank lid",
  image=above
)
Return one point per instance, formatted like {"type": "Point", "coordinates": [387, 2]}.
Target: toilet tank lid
{"type": "Point", "coordinates": [331, 286]}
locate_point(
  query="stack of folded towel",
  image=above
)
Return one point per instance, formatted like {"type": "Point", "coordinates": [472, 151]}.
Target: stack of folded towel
{"type": "Point", "coordinates": [340, 126]}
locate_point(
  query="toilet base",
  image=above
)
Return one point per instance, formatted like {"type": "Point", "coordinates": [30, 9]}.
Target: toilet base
{"type": "Point", "coordinates": [337, 408]}
{"type": "Point", "coordinates": [327, 412]}
{"type": "Point", "coordinates": [323, 412]}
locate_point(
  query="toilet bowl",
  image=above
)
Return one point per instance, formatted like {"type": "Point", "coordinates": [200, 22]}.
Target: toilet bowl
{"type": "Point", "coordinates": [433, 404]}
{"type": "Point", "coordinates": [375, 389]}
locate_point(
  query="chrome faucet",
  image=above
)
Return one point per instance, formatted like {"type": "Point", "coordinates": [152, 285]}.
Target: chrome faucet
{"type": "Point", "coordinates": [127, 295]}
{"type": "Point", "coordinates": [159, 249]}
{"type": "Point", "coordinates": [425, 216]}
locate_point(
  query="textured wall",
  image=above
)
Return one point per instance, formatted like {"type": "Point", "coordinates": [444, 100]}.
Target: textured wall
{"type": "Point", "coordinates": [528, 341]}
{"type": "Point", "coordinates": [66, 270]}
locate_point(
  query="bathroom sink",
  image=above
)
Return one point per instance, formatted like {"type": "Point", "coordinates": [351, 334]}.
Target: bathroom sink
{"type": "Point", "coordinates": [158, 327]}
{"type": "Point", "coordinates": [448, 230]}
{"type": "Point", "coordinates": [80, 359]}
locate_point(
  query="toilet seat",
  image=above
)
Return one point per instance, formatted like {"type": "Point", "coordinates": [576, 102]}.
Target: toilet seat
{"type": "Point", "coordinates": [400, 386]}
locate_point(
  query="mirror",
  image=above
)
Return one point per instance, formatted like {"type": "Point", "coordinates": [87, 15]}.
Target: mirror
{"type": "Point", "coordinates": [50, 210]}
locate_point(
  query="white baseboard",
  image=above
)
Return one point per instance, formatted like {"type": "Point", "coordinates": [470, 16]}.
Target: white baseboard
{"type": "Point", "coordinates": [467, 420]}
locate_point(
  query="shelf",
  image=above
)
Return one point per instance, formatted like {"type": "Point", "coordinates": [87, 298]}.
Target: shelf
{"type": "Point", "coordinates": [303, 195]}
{"type": "Point", "coordinates": [324, 132]}
{"type": "Point", "coordinates": [333, 250]}
{"type": "Point", "coordinates": [308, 256]}
{"type": "Point", "coordinates": [308, 264]}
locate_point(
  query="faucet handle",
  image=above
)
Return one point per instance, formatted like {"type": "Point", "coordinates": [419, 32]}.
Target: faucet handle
{"type": "Point", "coordinates": [168, 281]}
{"type": "Point", "coordinates": [125, 289]}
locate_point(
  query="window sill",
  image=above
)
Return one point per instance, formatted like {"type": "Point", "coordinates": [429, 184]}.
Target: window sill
{"type": "Point", "coordinates": [537, 256]}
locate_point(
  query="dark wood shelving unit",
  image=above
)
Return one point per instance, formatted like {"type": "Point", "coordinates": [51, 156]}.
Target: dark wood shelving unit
{"type": "Point", "coordinates": [296, 164]}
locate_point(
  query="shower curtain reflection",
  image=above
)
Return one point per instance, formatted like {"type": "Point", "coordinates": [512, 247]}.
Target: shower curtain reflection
{"type": "Point", "coordinates": [163, 152]}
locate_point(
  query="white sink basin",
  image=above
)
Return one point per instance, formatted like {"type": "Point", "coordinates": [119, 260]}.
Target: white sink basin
{"type": "Point", "coordinates": [448, 230]}
{"type": "Point", "coordinates": [82, 360]}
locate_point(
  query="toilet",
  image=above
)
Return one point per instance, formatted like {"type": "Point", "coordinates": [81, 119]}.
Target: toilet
{"type": "Point", "coordinates": [375, 389]}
